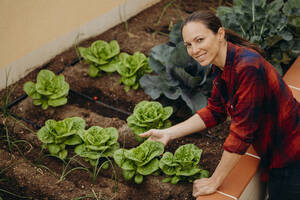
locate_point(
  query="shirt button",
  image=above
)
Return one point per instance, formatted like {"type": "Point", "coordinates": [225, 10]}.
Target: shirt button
{"type": "Point", "coordinates": [231, 106]}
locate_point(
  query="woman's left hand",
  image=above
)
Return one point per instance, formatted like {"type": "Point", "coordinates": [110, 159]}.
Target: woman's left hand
{"type": "Point", "coordinates": [204, 186]}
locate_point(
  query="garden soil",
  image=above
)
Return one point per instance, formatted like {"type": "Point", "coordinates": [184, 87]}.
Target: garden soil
{"type": "Point", "coordinates": [28, 171]}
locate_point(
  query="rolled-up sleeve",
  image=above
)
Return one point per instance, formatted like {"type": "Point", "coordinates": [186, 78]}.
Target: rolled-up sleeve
{"type": "Point", "coordinates": [214, 113]}
{"type": "Point", "coordinates": [245, 117]}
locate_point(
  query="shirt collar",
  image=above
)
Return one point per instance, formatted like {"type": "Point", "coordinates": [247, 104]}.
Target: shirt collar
{"type": "Point", "coordinates": [229, 60]}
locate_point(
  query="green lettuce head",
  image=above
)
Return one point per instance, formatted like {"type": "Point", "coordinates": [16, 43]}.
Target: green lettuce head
{"type": "Point", "coordinates": [132, 68]}
{"type": "Point", "coordinates": [101, 56]}
{"type": "Point", "coordinates": [49, 90]}
{"type": "Point", "coordinates": [140, 161]}
{"type": "Point", "coordinates": [183, 165]}
{"type": "Point", "coordinates": [57, 134]}
{"type": "Point", "coordinates": [149, 115]}
{"type": "Point", "coordinates": [98, 143]}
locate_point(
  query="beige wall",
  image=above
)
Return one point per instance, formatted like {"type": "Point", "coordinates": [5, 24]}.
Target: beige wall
{"type": "Point", "coordinates": [26, 25]}
{"type": "Point", "coordinates": [34, 31]}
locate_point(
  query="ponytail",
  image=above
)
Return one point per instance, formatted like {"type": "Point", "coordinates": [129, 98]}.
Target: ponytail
{"type": "Point", "coordinates": [235, 38]}
{"type": "Point", "coordinates": [214, 23]}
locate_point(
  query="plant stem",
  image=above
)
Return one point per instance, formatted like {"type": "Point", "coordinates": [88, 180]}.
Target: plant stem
{"type": "Point", "coordinates": [163, 11]}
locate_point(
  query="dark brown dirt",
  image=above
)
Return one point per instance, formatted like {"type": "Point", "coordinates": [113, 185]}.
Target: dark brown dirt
{"type": "Point", "coordinates": [29, 177]}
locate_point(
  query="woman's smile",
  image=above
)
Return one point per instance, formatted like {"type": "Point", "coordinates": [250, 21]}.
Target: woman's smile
{"type": "Point", "coordinates": [201, 57]}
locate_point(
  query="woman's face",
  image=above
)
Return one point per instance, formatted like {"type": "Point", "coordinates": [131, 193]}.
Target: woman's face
{"type": "Point", "coordinates": [201, 43]}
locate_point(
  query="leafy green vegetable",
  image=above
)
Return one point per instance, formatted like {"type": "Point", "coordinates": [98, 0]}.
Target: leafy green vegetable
{"type": "Point", "coordinates": [140, 161]}
{"type": "Point", "coordinates": [57, 134]}
{"type": "Point", "coordinates": [149, 115]}
{"type": "Point", "coordinates": [178, 76]}
{"type": "Point", "coordinates": [292, 10]}
{"type": "Point", "coordinates": [49, 90]}
{"type": "Point", "coordinates": [132, 68]}
{"type": "Point", "coordinates": [183, 165]}
{"type": "Point", "coordinates": [101, 56]}
{"type": "Point", "coordinates": [98, 143]}
{"type": "Point", "coordinates": [274, 26]}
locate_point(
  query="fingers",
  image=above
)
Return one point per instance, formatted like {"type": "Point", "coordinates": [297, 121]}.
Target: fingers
{"type": "Point", "coordinates": [146, 134]}
{"type": "Point", "coordinates": [203, 187]}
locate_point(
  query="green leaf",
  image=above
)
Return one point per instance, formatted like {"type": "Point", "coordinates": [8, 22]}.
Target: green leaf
{"type": "Point", "coordinates": [105, 165]}
{"type": "Point", "coordinates": [148, 115]}
{"type": "Point", "coordinates": [138, 179]}
{"type": "Point", "coordinates": [93, 71]}
{"type": "Point", "coordinates": [44, 135]}
{"type": "Point", "coordinates": [29, 88]}
{"type": "Point", "coordinates": [79, 149]}
{"type": "Point", "coordinates": [119, 157]}
{"type": "Point", "coordinates": [128, 174]}
{"type": "Point", "coordinates": [37, 102]}
{"type": "Point", "coordinates": [57, 102]}
{"type": "Point", "coordinates": [53, 149]}
{"type": "Point", "coordinates": [45, 82]}
{"type": "Point", "coordinates": [149, 168]}
{"type": "Point", "coordinates": [74, 140]}
{"type": "Point", "coordinates": [167, 180]}
{"type": "Point", "coordinates": [175, 179]}
{"type": "Point", "coordinates": [63, 154]}
{"type": "Point", "coordinates": [187, 155]}
{"type": "Point", "coordinates": [204, 174]}
{"type": "Point", "coordinates": [114, 48]}
{"type": "Point", "coordinates": [109, 67]}
{"type": "Point", "coordinates": [44, 104]}
{"type": "Point", "coordinates": [188, 172]}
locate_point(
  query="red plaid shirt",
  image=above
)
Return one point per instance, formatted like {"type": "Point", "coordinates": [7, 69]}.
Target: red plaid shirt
{"type": "Point", "coordinates": [262, 108]}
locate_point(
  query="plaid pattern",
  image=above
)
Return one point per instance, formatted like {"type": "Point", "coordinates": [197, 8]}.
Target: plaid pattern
{"type": "Point", "coordinates": [262, 108]}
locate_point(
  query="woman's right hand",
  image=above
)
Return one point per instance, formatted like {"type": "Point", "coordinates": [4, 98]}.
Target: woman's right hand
{"type": "Point", "coordinates": [157, 135]}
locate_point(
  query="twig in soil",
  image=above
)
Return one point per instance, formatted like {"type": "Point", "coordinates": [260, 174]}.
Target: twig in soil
{"type": "Point", "coordinates": [15, 195]}
{"type": "Point", "coordinates": [163, 12]}
{"type": "Point", "coordinates": [93, 196]}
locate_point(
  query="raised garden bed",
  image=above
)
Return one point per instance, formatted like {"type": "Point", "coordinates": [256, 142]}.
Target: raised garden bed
{"type": "Point", "coordinates": [102, 102]}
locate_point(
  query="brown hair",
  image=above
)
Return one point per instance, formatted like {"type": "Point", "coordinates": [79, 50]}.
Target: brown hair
{"type": "Point", "coordinates": [214, 23]}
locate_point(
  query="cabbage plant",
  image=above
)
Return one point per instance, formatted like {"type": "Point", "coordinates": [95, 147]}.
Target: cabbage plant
{"type": "Point", "coordinates": [149, 115]}
{"type": "Point", "coordinates": [132, 68]}
{"type": "Point", "coordinates": [178, 76]}
{"type": "Point", "coordinates": [49, 89]}
{"type": "Point", "coordinates": [101, 56]}
{"type": "Point", "coordinates": [183, 165]}
{"type": "Point", "coordinates": [55, 135]}
{"type": "Point", "coordinates": [140, 161]}
{"type": "Point", "coordinates": [98, 143]}
{"type": "Point", "coordinates": [275, 26]}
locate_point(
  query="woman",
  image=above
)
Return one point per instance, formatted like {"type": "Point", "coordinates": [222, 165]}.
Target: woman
{"type": "Point", "coordinates": [261, 106]}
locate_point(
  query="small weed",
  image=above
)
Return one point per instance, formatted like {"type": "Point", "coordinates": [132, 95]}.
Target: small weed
{"type": "Point", "coordinates": [67, 171]}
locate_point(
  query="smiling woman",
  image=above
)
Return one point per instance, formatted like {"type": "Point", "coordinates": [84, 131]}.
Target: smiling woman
{"type": "Point", "coordinates": [248, 89]}
{"type": "Point", "coordinates": [204, 45]}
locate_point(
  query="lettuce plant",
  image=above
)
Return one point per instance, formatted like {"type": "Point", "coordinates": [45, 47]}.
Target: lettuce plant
{"type": "Point", "coordinates": [49, 89]}
{"type": "Point", "coordinates": [149, 115]}
{"type": "Point", "coordinates": [57, 134]}
{"type": "Point", "coordinates": [98, 143]}
{"type": "Point", "coordinates": [101, 56]}
{"type": "Point", "coordinates": [132, 68]}
{"type": "Point", "coordinates": [178, 76]}
{"type": "Point", "coordinates": [274, 26]}
{"type": "Point", "coordinates": [183, 165]}
{"type": "Point", "coordinates": [140, 161]}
